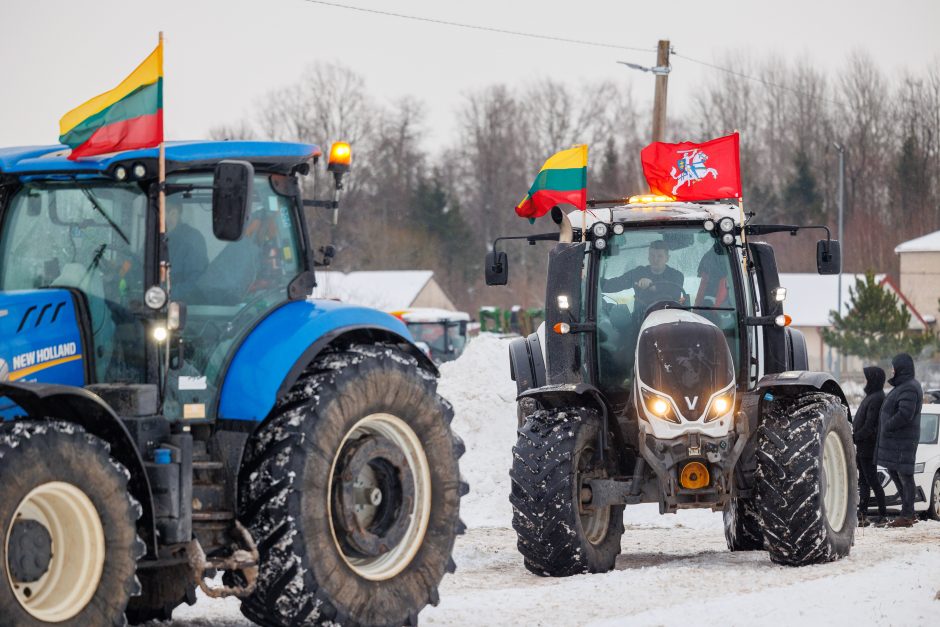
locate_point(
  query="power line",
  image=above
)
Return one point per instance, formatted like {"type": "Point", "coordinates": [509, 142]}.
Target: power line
{"type": "Point", "coordinates": [490, 29]}
{"type": "Point", "coordinates": [757, 79]}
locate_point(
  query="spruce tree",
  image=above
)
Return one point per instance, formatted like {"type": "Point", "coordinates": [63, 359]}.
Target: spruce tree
{"type": "Point", "coordinates": [875, 326]}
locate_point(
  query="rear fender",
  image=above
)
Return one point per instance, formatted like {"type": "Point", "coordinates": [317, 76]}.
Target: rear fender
{"type": "Point", "coordinates": [275, 353]}
{"type": "Point", "coordinates": [48, 401]}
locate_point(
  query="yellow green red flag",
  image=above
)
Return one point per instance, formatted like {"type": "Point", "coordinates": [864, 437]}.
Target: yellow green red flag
{"type": "Point", "coordinates": [126, 117]}
{"type": "Point", "coordinates": [562, 180]}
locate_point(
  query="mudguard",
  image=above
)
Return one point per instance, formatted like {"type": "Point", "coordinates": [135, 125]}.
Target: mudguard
{"type": "Point", "coordinates": [46, 401]}
{"type": "Point", "coordinates": [274, 354]}
{"type": "Point", "coordinates": [526, 366]}
{"type": "Point", "coordinates": [795, 379]}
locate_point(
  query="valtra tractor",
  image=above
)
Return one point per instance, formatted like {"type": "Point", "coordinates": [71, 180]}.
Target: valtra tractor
{"type": "Point", "coordinates": [175, 406]}
{"type": "Point", "coordinates": [666, 373]}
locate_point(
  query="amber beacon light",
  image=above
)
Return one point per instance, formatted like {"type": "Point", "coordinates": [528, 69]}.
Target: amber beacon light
{"type": "Point", "coordinates": [340, 157]}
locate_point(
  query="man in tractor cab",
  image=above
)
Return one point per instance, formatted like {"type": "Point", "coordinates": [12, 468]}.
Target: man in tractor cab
{"type": "Point", "coordinates": [655, 282]}
{"type": "Point", "coordinates": [187, 246]}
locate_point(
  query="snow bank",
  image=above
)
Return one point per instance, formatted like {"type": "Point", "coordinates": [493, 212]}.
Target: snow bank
{"type": "Point", "coordinates": [484, 399]}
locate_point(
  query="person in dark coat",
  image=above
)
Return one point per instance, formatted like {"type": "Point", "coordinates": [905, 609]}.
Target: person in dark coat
{"type": "Point", "coordinates": [899, 432]}
{"type": "Point", "coordinates": [865, 427]}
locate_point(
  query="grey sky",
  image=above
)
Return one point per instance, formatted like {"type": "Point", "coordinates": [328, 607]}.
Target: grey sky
{"type": "Point", "coordinates": [223, 56]}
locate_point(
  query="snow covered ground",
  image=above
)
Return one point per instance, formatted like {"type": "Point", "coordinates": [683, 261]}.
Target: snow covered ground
{"type": "Point", "coordinates": [673, 570]}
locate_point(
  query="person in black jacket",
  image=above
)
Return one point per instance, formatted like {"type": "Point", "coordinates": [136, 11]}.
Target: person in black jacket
{"type": "Point", "coordinates": [865, 435]}
{"type": "Point", "coordinates": [899, 432]}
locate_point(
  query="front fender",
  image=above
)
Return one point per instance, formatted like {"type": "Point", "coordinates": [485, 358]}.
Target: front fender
{"type": "Point", "coordinates": [797, 379]}
{"type": "Point", "coordinates": [275, 353]}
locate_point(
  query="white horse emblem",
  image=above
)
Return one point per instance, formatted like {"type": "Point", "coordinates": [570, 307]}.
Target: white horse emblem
{"type": "Point", "coordinates": [691, 168]}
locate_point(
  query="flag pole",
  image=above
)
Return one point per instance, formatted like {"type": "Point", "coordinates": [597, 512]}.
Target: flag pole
{"type": "Point", "coordinates": [161, 201]}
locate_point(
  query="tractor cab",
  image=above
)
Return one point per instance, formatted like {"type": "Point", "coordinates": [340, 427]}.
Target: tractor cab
{"type": "Point", "coordinates": [91, 227]}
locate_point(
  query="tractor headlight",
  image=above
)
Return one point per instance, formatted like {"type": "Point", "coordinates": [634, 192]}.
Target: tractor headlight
{"type": "Point", "coordinates": [155, 297]}
{"type": "Point", "coordinates": [600, 244]}
{"type": "Point", "coordinates": [659, 406]}
{"type": "Point", "coordinates": [720, 406]}
{"type": "Point", "coordinates": [727, 239]}
{"type": "Point", "coordinates": [726, 225]}
{"type": "Point", "coordinates": [599, 229]}
{"type": "Point", "coordinates": [618, 229]}
{"type": "Point", "coordinates": [160, 333]}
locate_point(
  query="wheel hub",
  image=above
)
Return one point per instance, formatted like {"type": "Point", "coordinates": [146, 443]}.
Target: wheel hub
{"type": "Point", "coordinates": [373, 497]}
{"type": "Point", "coordinates": [29, 551]}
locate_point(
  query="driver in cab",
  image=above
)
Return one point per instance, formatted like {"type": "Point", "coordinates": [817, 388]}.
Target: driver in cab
{"type": "Point", "coordinates": [657, 281]}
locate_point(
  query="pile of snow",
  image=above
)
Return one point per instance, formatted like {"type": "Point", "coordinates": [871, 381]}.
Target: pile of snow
{"type": "Point", "coordinates": [484, 399]}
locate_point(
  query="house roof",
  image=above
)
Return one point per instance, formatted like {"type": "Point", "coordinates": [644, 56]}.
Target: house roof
{"type": "Point", "coordinates": [388, 290]}
{"type": "Point", "coordinates": [810, 297]}
{"type": "Point", "coordinates": [924, 244]}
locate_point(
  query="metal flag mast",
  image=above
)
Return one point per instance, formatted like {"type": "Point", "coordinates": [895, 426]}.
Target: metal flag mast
{"type": "Point", "coordinates": [161, 198]}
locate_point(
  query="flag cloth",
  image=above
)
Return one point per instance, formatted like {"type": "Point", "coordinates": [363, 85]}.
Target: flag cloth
{"type": "Point", "coordinates": [129, 116]}
{"type": "Point", "coordinates": [687, 171]}
{"type": "Point", "coordinates": [562, 180]}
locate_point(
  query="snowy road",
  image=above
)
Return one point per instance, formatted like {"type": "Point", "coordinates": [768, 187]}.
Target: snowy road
{"type": "Point", "coordinates": [674, 569]}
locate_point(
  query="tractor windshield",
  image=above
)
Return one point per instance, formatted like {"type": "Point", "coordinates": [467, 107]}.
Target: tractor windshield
{"type": "Point", "coordinates": [89, 237]}
{"type": "Point", "coordinates": [643, 267]}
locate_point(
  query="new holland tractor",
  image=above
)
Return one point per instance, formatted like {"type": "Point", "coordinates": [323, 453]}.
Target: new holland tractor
{"type": "Point", "coordinates": [666, 373]}
{"type": "Point", "coordinates": [175, 408]}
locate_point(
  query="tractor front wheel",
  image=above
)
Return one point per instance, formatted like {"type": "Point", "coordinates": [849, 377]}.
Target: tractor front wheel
{"type": "Point", "coordinates": [742, 525]}
{"type": "Point", "coordinates": [559, 533]}
{"type": "Point", "coordinates": [69, 548]}
{"type": "Point", "coordinates": [807, 487]}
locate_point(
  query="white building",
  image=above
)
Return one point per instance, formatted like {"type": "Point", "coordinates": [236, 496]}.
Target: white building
{"type": "Point", "coordinates": [388, 290]}
{"type": "Point", "coordinates": [810, 299]}
{"type": "Point", "coordinates": [920, 273]}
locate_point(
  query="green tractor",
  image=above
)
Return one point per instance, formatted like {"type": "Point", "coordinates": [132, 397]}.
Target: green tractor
{"type": "Point", "coordinates": [173, 405]}
{"type": "Point", "coordinates": [666, 373]}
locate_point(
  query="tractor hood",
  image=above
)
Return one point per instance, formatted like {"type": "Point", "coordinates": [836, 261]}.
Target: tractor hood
{"type": "Point", "coordinates": [684, 374]}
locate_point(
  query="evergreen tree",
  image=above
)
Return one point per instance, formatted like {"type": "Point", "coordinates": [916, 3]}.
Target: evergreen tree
{"type": "Point", "coordinates": [801, 196]}
{"type": "Point", "coordinates": [875, 326]}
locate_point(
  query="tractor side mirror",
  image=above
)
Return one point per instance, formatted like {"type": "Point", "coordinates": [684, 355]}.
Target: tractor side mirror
{"type": "Point", "coordinates": [828, 256]}
{"type": "Point", "coordinates": [231, 198]}
{"type": "Point", "coordinates": [497, 268]}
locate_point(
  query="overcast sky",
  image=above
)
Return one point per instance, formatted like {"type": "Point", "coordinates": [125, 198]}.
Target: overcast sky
{"type": "Point", "coordinates": [222, 57]}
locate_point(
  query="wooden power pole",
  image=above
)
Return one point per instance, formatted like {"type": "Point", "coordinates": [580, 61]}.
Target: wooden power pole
{"type": "Point", "coordinates": [659, 101]}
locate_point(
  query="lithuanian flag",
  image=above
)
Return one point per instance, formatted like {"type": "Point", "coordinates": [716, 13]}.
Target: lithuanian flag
{"type": "Point", "coordinates": [129, 116]}
{"type": "Point", "coordinates": [562, 180]}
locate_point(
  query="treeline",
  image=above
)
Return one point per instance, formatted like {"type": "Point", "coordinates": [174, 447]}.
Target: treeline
{"type": "Point", "coordinates": [406, 207]}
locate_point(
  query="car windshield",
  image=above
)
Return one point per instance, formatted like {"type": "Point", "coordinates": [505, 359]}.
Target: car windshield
{"type": "Point", "coordinates": [685, 266]}
{"type": "Point", "coordinates": [90, 237]}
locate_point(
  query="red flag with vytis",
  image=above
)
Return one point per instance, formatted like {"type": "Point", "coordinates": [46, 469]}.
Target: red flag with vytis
{"type": "Point", "coordinates": [687, 171]}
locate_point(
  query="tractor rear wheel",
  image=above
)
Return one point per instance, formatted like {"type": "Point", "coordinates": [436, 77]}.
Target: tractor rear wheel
{"type": "Point", "coordinates": [352, 491]}
{"type": "Point", "coordinates": [558, 533]}
{"type": "Point", "coordinates": [69, 548]}
{"type": "Point", "coordinates": [742, 525]}
{"type": "Point", "coordinates": [807, 487]}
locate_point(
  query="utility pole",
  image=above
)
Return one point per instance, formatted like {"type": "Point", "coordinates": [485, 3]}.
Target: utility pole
{"type": "Point", "coordinates": [659, 100]}
{"type": "Point", "coordinates": [841, 149]}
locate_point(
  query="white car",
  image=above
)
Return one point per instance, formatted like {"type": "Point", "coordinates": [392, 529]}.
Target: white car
{"type": "Point", "coordinates": [926, 468]}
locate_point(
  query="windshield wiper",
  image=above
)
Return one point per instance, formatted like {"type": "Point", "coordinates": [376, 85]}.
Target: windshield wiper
{"type": "Point", "coordinates": [94, 201]}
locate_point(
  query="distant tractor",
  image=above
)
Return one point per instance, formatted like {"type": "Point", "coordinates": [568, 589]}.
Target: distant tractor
{"type": "Point", "coordinates": [440, 332]}
{"type": "Point", "coordinates": [666, 373]}
{"type": "Point", "coordinates": [174, 405]}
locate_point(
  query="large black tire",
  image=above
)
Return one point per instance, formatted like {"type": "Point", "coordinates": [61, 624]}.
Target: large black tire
{"type": "Point", "coordinates": [309, 573]}
{"type": "Point", "coordinates": [742, 525]}
{"type": "Point", "coordinates": [67, 517]}
{"type": "Point", "coordinates": [162, 591]}
{"type": "Point", "coordinates": [556, 535]}
{"type": "Point", "coordinates": [807, 487]}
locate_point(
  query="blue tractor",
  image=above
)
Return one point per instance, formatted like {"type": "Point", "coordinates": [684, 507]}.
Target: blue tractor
{"type": "Point", "coordinates": [174, 406]}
